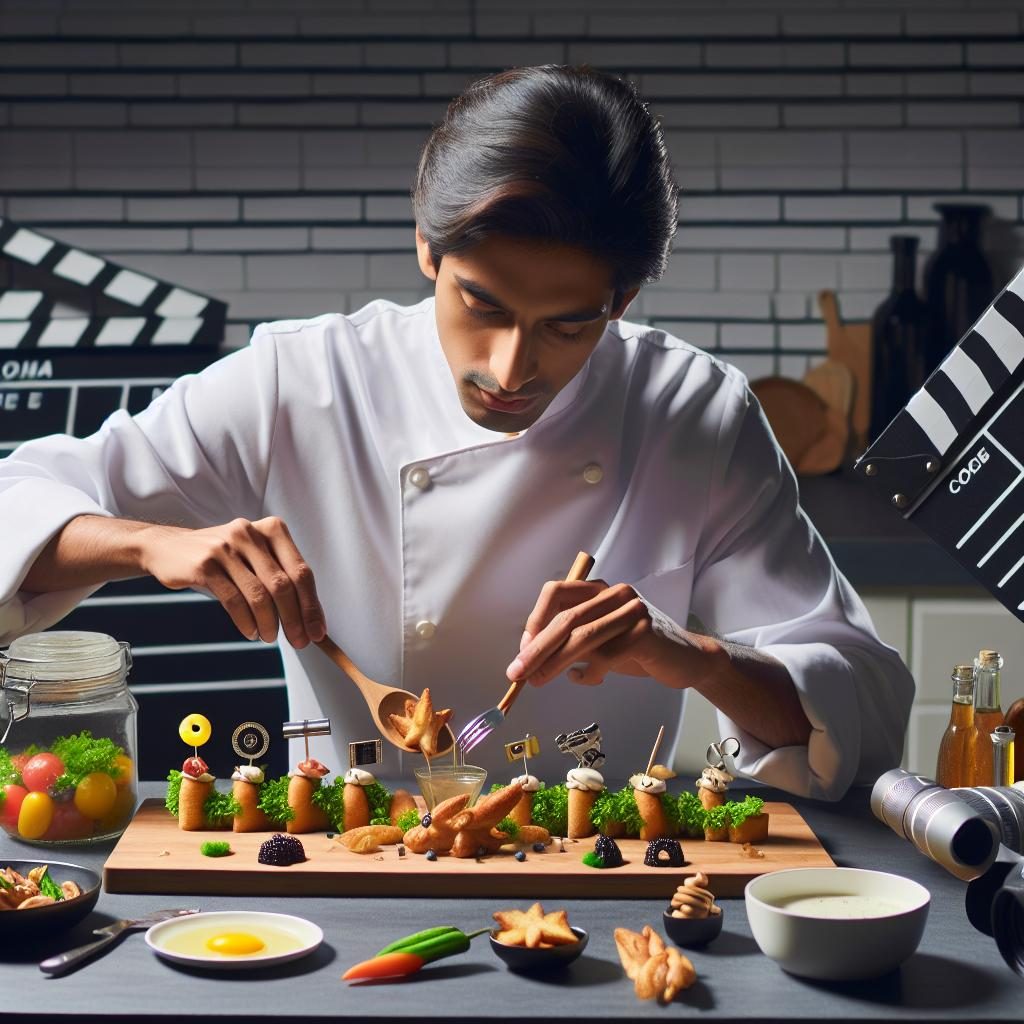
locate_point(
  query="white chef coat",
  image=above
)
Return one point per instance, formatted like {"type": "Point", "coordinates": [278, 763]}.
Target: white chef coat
{"type": "Point", "coordinates": [430, 536]}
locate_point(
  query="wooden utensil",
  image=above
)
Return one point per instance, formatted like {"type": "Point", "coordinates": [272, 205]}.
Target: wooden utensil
{"type": "Point", "coordinates": [382, 700]}
{"type": "Point", "coordinates": [850, 344]}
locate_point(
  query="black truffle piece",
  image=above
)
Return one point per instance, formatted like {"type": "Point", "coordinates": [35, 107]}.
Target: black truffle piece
{"type": "Point", "coordinates": [281, 850]}
{"type": "Point", "coordinates": [664, 853]}
{"type": "Point", "coordinates": [608, 850]}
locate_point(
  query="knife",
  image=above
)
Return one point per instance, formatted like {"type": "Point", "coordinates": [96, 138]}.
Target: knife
{"type": "Point", "coordinates": [64, 962]}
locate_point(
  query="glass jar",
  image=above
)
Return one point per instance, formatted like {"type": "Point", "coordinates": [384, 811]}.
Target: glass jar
{"type": "Point", "coordinates": [67, 738]}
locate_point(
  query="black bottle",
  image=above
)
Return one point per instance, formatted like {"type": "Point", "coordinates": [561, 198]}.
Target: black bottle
{"type": "Point", "coordinates": [899, 331]}
{"type": "Point", "coordinates": [958, 279]}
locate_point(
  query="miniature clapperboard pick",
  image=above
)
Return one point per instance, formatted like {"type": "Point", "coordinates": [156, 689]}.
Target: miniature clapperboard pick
{"type": "Point", "coordinates": [583, 744]}
{"type": "Point", "coordinates": [527, 747]}
{"type": "Point", "coordinates": [952, 460]}
{"type": "Point", "coordinates": [250, 740]}
{"type": "Point", "coordinates": [363, 752]}
{"type": "Point", "coordinates": [306, 728]}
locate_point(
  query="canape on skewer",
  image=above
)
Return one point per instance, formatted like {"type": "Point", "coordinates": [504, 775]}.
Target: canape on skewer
{"type": "Point", "coordinates": [303, 782]}
{"type": "Point", "coordinates": [196, 788]}
{"type": "Point", "coordinates": [584, 785]}
{"type": "Point", "coordinates": [245, 788]}
{"type": "Point", "coordinates": [713, 785]}
{"type": "Point", "coordinates": [354, 799]}
{"type": "Point", "coordinates": [522, 813]}
{"type": "Point", "coordinates": [647, 792]}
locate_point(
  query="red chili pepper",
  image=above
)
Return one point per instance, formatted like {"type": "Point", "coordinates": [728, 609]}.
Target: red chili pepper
{"type": "Point", "coordinates": [390, 965]}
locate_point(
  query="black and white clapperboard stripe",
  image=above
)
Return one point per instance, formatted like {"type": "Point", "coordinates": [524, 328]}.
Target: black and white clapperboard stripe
{"type": "Point", "coordinates": [159, 313]}
{"type": "Point", "coordinates": [952, 460]}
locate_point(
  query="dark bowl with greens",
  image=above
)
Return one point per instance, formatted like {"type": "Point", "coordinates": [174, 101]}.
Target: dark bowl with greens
{"type": "Point", "coordinates": [55, 917]}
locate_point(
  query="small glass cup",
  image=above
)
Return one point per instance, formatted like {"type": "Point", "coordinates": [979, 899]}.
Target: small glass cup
{"type": "Point", "coordinates": [442, 781]}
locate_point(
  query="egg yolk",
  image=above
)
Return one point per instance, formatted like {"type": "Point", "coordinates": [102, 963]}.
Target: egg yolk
{"type": "Point", "coordinates": [235, 944]}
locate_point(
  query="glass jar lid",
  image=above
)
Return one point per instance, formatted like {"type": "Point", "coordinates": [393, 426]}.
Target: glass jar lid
{"type": "Point", "coordinates": [83, 662]}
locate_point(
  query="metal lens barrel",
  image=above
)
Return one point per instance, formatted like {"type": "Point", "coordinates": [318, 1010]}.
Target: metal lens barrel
{"type": "Point", "coordinates": [1003, 806]}
{"type": "Point", "coordinates": [940, 824]}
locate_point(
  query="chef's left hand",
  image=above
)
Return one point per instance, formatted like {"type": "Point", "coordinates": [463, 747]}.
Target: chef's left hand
{"type": "Point", "coordinates": [590, 629]}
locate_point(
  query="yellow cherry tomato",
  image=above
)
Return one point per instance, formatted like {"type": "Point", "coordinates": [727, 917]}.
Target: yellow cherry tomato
{"type": "Point", "coordinates": [95, 795]}
{"type": "Point", "coordinates": [124, 777]}
{"type": "Point", "coordinates": [35, 815]}
{"type": "Point", "coordinates": [194, 730]}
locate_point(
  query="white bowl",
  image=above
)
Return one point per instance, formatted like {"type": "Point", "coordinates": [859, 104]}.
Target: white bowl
{"type": "Point", "coordinates": [882, 923]}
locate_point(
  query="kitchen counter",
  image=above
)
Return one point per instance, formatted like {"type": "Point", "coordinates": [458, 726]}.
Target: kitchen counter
{"type": "Point", "coordinates": [956, 974]}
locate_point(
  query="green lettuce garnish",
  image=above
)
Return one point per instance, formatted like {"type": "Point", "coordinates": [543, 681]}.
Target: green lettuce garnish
{"type": "Point", "coordinates": [716, 818]}
{"type": "Point", "coordinates": [273, 800]}
{"type": "Point", "coordinates": [215, 848]}
{"type": "Point", "coordinates": [551, 809]}
{"type": "Point", "coordinates": [173, 791]}
{"type": "Point", "coordinates": [379, 800]}
{"type": "Point", "coordinates": [408, 819]}
{"type": "Point", "coordinates": [8, 773]}
{"type": "Point", "coordinates": [740, 810]}
{"type": "Point", "coordinates": [592, 860]}
{"type": "Point", "coordinates": [220, 808]}
{"type": "Point", "coordinates": [509, 827]}
{"type": "Point", "coordinates": [330, 799]}
{"type": "Point", "coordinates": [82, 755]}
{"type": "Point", "coordinates": [687, 813]}
{"type": "Point", "coordinates": [48, 887]}
{"type": "Point", "coordinates": [617, 807]}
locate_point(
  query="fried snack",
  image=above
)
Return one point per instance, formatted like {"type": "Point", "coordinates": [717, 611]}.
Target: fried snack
{"type": "Point", "coordinates": [652, 812]}
{"type": "Point", "coordinates": [530, 834]}
{"type": "Point", "coordinates": [356, 807]}
{"type": "Point", "coordinates": [693, 899]}
{"type": "Point", "coordinates": [401, 801]}
{"type": "Point", "coordinates": [533, 928]}
{"type": "Point", "coordinates": [439, 835]}
{"type": "Point", "coordinates": [656, 970]}
{"type": "Point", "coordinates": [753, 830]}
{"type": "Point", "coordinates": [420, 726]}
{"type": "Point", "coordinates": [192, 796]}
{"type": "Point", "coordinates": [308, 817]}
{"type": "Point", "coordinates": [251, 818]}
{"type": "Point", "coordinates": [522, 813]}
{"type": "Point", "coordinates": [369, 838]}
{"type": "Point", "coordinates": [475, 826]}
{"type": "Point", "coordinates": [581, 802]}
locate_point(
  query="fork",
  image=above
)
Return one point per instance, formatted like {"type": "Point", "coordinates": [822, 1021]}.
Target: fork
{"type": "Point", "coordinates": [63, 962]}
{"type": "Point", "coordinates": [484, 724]}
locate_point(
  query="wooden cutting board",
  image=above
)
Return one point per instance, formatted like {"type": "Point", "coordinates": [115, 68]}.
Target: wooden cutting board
{"type": "Point", "coordinates": [155, 856]}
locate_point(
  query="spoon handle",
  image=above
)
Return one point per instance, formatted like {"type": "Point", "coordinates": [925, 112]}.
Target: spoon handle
{"type": "Point", "coordinates": [580, 571]}
{"type": "Point", "coordinates": [347, 665]}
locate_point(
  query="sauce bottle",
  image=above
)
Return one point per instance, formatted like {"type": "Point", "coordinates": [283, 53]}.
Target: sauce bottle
{"type": "Point", "coordinates": [950, 770]}
{"type": "Point", "coordinates": [1015, 720]}
{"type": "Point", "coordinates": [988, 713]}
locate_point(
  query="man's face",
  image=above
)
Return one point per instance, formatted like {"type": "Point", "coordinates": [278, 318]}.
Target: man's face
{"type": "Point", "coordinates": [517, 320]}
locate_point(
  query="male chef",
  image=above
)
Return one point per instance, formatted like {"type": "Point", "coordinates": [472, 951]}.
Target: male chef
{"type": "Point", "coordinates": [409, 478]}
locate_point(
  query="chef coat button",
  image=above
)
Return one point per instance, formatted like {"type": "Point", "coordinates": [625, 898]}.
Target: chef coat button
{"type": "Point", "coordinates": [593, 473]}
{"type": "Point", "coordinates": [419, 477]}
{"type": "Point", "coordinates": [425, 629]}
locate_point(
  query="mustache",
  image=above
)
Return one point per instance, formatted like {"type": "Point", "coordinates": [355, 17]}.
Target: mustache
{"type": "Point", "coordinates": [487, 383]}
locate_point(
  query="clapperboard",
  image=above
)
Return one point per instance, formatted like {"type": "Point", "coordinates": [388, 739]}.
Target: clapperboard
{"type": "Point", "coordinates": [120, 339]}
{"type": "Point", "coordinates": [952, 460]}
{"type": "Point", "coordinates": [123, 308]}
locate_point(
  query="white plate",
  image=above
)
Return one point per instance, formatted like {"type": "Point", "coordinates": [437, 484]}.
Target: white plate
{"type": "Point", "coordinates": [307, 935]}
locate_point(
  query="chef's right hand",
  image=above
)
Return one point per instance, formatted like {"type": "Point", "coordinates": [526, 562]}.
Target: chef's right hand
{"type": "Point", "coordinates": [253, 568]}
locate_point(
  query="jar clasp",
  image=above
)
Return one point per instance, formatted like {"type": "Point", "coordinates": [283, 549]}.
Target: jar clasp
{"type": "Point", "coordinates": [13, 714]}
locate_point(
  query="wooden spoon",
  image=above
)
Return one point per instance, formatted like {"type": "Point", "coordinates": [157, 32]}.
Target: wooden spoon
{"type": "Point", "coordinates": [382, 700]}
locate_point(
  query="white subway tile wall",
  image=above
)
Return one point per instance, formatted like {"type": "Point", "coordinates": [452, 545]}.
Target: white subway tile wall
{"type": "Point", "coordinates": [264, 151]}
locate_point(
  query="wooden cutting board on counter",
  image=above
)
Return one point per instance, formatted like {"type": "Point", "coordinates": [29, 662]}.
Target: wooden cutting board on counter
{"type": "Point", "coordinates": [155, 856]}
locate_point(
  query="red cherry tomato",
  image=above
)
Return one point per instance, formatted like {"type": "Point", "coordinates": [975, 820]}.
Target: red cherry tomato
{"type": "Point", "coordinates": [18, 760]}
{"type": "Point", "coordinates": [68, 823]}
{"type": "Point", "coordinates": [13, 795]}
{"type": "Point", "coordinates": [41, 771]}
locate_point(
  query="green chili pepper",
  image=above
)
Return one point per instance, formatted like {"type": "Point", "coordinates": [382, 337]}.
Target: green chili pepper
{"type": "Point", "coordinates": [434, 943]}
{"type": "Point", "coordinates": [400, 945]}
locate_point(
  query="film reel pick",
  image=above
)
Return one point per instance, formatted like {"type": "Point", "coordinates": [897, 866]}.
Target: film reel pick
{"type": "Point", "coordinates": [305, 728]}
{"type": "Point", "coordinates": [717, 752]}
{"type": "Point", "coordinates": [250, 740]}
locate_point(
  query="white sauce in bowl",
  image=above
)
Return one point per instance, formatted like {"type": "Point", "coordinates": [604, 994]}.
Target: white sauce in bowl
{"type": "Point", "coordinates": [847, 907]}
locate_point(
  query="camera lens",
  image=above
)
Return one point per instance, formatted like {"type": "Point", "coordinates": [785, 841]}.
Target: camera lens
{"type": "Point", "coordinates": [1008, 920]}
{"type": "Point", "coordinates": [940, 824]}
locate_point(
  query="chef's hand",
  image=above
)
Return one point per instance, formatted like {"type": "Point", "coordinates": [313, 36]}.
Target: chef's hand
{"type": "Point", "coordinates": [606, 629]}
{"type": "Point", "coordinates": [253, 568]}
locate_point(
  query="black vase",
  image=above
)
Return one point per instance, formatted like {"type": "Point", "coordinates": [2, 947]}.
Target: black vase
{"type": "Point", "coordinates": [958, 280]}
{"type": "Point", "coordinates": [899, 334]}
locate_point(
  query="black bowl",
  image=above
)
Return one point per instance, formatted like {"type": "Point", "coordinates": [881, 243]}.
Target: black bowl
{"type": "Point", "coordinates": [519, 958]}
{"type": "Point", "coordinates": [692, 932]}
{"type": "Point", "coordinates": [57, 917]}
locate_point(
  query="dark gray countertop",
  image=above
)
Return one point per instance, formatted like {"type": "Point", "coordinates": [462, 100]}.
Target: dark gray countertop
{"type": "Point", "coordinates": [956, 974]}
{"type": "Point", "coordinates": [873, 544]}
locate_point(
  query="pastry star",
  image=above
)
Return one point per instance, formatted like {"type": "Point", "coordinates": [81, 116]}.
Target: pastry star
{"type": "Point", "coordinates": [533, 928]}
{"type": "Point", "coordinates": [420, 725]}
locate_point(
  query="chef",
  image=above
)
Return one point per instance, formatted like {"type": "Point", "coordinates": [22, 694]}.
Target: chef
{"type": "Point", "coordinates": [413, 479]}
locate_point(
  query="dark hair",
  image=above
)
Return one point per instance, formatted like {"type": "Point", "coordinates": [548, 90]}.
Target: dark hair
{"type": "Point", "coordinates": [559, 154]}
